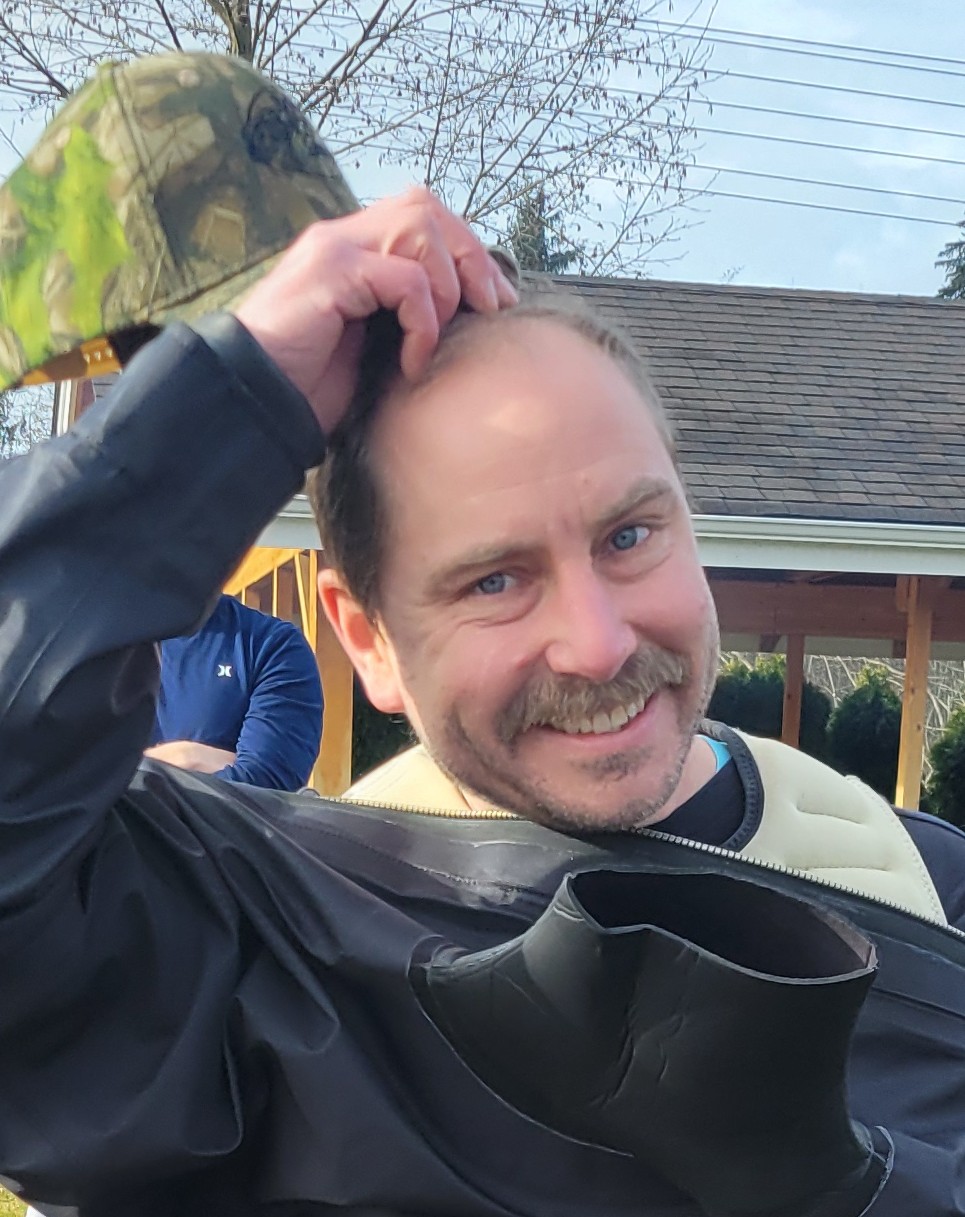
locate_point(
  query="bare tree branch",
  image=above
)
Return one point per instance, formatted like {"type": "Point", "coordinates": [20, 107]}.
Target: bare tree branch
{"type": "Point", "coordinates": [170, 24]}
{"type": "Point", "coordinates": [483, 100]}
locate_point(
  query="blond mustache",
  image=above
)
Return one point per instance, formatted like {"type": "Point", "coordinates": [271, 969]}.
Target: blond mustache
{"type": "Point", "coordinates": [564, 701]}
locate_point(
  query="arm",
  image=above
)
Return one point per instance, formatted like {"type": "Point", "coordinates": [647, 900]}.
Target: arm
{"type": "Point", "coordinates": [282, 730]}
{"type": "Point", "coordinates": [91, 581]}
{"type": "Point", "coordinates": [121, 938]}
{"type": "Point", "coordinates": [189, 754]}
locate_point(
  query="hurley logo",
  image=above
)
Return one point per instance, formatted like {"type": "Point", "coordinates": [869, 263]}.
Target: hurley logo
{"type": "Point", "coordinates": [224, 669]}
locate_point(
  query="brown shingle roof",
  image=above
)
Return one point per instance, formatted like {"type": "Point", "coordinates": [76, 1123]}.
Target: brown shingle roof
{"type": "Point", "coordinates": [804, 403]}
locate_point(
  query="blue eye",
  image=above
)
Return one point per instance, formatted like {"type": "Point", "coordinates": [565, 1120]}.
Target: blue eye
{"type": "Point", "coordinates": [629, 537]}
{"type": "Point", "coordinates": [492, 585]}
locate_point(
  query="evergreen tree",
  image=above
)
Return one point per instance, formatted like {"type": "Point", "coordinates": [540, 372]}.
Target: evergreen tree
{"type": "Point", "coordinates": [534, 237]}
{"type": "Point", "coordinates": [751, 697]}
{"type": "Point", "coordinates": [946, 788]}
{"type": "Point", "coordinates": [952, 262]}
{"type": "Point", "coordinates": [864, 731]}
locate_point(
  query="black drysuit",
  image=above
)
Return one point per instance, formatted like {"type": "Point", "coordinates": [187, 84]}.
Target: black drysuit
{"type": "Point", "coordinates": [222, 1000]}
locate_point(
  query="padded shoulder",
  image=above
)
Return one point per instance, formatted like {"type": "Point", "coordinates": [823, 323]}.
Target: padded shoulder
{"type": "Point", "coordinates": [838, 830]}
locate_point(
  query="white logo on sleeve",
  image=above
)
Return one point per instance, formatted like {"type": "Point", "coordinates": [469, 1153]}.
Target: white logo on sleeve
{"type": "Point", "coordinates": [224, 669]}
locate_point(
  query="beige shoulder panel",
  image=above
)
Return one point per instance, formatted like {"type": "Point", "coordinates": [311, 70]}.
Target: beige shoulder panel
{"type": "Point", "coordinates": [815, 822]}
{"type": "Point", "coordinates": [411, 779]}
{"type": "Point", "coordinates": [836, 829]}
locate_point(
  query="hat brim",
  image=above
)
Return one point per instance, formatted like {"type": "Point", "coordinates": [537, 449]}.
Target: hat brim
{"type": "Point", "coordinates": [96, 356]}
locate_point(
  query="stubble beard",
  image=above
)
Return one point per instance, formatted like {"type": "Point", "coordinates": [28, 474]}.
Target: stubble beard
{"type": "Point", "coordinates": [489, 773]}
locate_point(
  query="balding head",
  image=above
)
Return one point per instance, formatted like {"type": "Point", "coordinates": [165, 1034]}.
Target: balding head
{"type": "Point", "coordinates": [346, 491]}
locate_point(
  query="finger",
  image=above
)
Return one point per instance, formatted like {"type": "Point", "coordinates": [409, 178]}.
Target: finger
{"type": "Point", "coordinates": [505, 287]}
{"type": "Point", "coordinates": [402, 286]}
{"type": "Point", "coordinates": [459, 266]}
{"type": "Point", "coordinates": [431, 235]}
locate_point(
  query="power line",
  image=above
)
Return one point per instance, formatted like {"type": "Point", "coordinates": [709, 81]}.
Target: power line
{"type": "Point", "coordinates": [816, 143]}
{"type": "Point", "coordinates": [709, 34]}
{"type": "Point", "coordinates": [727, 194]}
{"type": "Point", "coordinates": [805, 181]}
{"type": "Point", "coordinates": [774, 110]}
{"type": "Point", "coordinates": [492, 40]}
{"type": "Point", "coordinates": [804, 42]}
{"type": "Point", "coordinates": [813, 84]}
{"type": "Point", "coordinates": [824, 118]}
{"type": "Point", "coordinates": [810, 181]}
{"type": "Point", "coordinates": [725, 73]}
{"type": "Point", "coordinates": [854, 211]}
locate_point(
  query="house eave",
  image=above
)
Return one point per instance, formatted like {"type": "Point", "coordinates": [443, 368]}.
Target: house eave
{"type": "Point", "coordinates": [759, 543]}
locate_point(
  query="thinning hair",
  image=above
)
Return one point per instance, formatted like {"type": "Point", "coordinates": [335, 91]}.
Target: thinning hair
{"type": "Point", "coordinates": [345, 494]}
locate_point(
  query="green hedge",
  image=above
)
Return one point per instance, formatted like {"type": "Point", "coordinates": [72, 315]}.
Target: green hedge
{"type": "Point", "coordinates": [375, 736]}
{"type": "Point", "coordinates": [946, 787]}
{"type": "Point", "coordinates": [751, 697]}
{"type": "Point", "coordinates": [864, 730]}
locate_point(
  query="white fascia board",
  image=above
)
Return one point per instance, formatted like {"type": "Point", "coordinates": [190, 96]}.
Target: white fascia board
{"type": "Point", "coordinates": [758, 543]}
{"type": "Point", "coordinates": [763, 543]}
{"type": "Point", "coordinates": [293, 527]}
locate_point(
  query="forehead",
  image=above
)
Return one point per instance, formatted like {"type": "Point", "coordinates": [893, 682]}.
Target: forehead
{"type": "Point", "coordinates": [514, 392]}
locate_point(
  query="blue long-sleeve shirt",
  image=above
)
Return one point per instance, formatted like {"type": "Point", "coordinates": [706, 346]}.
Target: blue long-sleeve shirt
{"type": "Point", "coordinates": [246, 682]}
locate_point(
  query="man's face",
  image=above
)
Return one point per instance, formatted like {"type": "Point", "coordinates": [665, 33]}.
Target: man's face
{"type": "Point", "coordinates": [548, 626]}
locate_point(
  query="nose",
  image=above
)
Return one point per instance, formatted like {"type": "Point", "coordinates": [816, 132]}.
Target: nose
{"type": "Point", "coordinates": [588, 635]}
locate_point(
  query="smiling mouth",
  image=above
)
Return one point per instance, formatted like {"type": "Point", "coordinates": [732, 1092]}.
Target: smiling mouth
{"type": "Point", "coordinates": [603, 722]}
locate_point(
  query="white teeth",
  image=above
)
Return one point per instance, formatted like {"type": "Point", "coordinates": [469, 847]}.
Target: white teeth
{"type": "Point", "coordinates": [603, 723]}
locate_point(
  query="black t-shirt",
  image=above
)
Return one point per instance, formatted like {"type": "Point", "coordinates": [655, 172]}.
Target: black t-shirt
{"type": "Point", "coordinates": [717, 815]}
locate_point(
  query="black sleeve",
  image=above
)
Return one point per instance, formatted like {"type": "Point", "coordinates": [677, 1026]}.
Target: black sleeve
{"type": "Point", "coordinates": [111, 912]}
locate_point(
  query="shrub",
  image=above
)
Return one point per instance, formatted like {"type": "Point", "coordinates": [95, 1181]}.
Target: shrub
{"type": "Point", "coordinates": [864, 730]}
{"type": "Point", "coordinates": [375, 736]}
{"type": "Point", "coordinates": [946, 787]}
{"type": "Point", "coordinates": [751, 697]}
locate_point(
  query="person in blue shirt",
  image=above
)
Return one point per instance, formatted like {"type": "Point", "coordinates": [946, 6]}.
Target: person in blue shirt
{"type": "Point", "coordinates": [240, 699]}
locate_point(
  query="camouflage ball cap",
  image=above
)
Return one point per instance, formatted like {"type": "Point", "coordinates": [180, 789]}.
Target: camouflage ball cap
{"type": "Point", "coordinates": [162, 189]}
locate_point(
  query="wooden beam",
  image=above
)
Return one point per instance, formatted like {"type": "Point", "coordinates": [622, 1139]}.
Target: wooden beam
{"type": "Point", "coordinates": [257, 564]}
{"type": "Point", "coordinates": [768, 608]}
{"type": "Point", "coordinates": [793, 691]}
{"type": "Point", "coordinates": [911, 746]}
{"type": "Point", "coordinates": [333, 770]}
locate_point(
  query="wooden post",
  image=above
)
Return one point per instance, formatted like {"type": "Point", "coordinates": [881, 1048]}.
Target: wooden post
{"type": "Point", "coordinates": [333, 769]}
{"type": "Point", "coordinates": [915, 597]}
{"type": "Point", "coordinates": [793, 691]}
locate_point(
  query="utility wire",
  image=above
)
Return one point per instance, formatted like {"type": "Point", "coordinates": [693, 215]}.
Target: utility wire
{"type": "Point", "coordinates": [710, 32]}
{"type": "Point", "coordinates": [816, 143]}
{"type": "Point", "coordinates": [727, 74]}
{"type": "Point", "coordinates": [727, 194]}
{"type": "Point", "coordinates": [770, 110]}
{"type": "Point", "coordinates": [824, 118]}
{"type": "Point", "coordinates": [805, 181]}
{"type": "Point", "coordinates": [810, 181]}
{"type": "Point", "coordinates": [492, 40]}
{"type": "Point", "coordinates": [854, 211]}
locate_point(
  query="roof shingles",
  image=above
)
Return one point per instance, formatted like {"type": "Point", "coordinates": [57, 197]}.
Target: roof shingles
{"type": "Point", "coordinates": [811, 404]}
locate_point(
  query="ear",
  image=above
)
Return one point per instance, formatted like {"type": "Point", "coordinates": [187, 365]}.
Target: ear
{"type": "Point", "coordinates": [364, 641]}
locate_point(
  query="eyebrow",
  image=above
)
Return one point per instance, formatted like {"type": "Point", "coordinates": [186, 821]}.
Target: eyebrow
{"type": "Point", "coordinates": [641, 494]}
